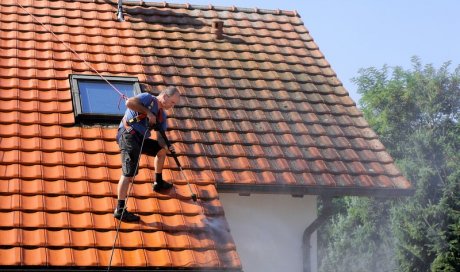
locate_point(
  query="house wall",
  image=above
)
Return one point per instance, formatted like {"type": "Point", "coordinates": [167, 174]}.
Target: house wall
{"type": "Point", "coordinates": [268, 230]}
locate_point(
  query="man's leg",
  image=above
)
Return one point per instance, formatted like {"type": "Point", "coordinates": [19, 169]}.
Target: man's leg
{"type": "Point", "coordinates": [153, 148]}
{"type": "Point", "coordinates": [122, 191]}
{"type": "Point", "coordinates": [129, 157]}
{"type": "Point", "coordinates": [159, 163]}
{"type": "Point", "coordinates": [121, 212]}
{"type": "Point", "coordinates": [123, 185]}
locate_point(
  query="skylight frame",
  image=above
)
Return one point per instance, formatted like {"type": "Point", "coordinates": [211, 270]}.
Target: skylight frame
{"type": "Point", "coordinates": [84, 116]}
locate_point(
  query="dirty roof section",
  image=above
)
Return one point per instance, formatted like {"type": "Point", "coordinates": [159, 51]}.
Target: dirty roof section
{"type": "Point", "coordinates": [262, 111]}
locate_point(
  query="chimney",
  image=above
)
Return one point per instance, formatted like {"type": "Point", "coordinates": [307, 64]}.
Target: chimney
{"type": "Point", "coordinates": [218, 29]}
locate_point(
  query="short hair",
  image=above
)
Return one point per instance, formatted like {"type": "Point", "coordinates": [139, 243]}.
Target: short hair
{"type": "Point", "coordinates": [170, 91]}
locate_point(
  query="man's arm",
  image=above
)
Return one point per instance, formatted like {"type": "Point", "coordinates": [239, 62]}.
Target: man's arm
{"type": "Point", "coordinates": [135, 104]}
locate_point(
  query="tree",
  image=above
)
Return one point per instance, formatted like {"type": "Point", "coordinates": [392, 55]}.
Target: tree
{"type": "Point", "coordinates": [358, 239]}
{"type": "Point", "coordinates": [416, 114]}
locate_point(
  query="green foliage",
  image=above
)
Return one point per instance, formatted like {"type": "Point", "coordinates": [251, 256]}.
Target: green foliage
{"type": "Point", "coordinates": [448, 247]}
{"type": "Point", "coordinates": [357, 240]}
{"type": "Point", "coordinates": [416, 114]}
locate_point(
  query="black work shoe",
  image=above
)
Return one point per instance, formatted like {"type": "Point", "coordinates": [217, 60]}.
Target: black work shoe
{"type": "Point", "coordinates": [161, 186]}
{"type": "Point", "coordinates": [127, 216]}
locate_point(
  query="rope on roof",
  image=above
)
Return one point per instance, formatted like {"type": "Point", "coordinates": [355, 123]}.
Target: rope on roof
{"type": "Point", "coordinates": [122, 96]}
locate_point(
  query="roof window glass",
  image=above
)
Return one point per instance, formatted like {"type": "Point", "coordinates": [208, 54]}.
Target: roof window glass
{"type": "Point", "coordinates": [95, 100]}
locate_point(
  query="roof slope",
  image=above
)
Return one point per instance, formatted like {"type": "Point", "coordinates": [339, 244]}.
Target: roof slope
{"type": "Point", "coordinates": [263, 112]}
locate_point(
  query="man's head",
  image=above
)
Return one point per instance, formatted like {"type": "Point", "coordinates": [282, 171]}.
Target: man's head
{"type": "Point", "coordinates": [169, 97]}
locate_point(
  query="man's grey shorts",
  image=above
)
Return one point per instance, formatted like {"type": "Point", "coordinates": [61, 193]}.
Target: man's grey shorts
{"type": "Point", "coordinates": [130, 145]}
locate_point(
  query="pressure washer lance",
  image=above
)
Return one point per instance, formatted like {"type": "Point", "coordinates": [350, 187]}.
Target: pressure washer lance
{"type": "Point", "coordinates": [174, 155]}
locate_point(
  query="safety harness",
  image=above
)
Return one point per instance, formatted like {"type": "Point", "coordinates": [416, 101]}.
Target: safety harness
{"type": "Point", "coordinates": [128, 123]}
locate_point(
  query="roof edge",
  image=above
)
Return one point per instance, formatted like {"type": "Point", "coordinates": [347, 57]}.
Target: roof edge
{"type": "Point", "coordinates": [165, 4]}
{"type": "Point", "coordinates": [301, 190]}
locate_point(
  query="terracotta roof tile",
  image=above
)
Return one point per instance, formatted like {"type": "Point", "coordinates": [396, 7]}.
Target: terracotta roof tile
{"type": "Point", "coordinates": [34, 256]}
{"type": "Point", "coordinates": [11, 237]}
{"type": "Point", "coordinates": [58, 238]}
{"type": "Point", "coordinates": [85, 257]}
{"type": "Point", "coordinates": [53, 219]}
{"type": "Point", "coordinates": [28, 219]}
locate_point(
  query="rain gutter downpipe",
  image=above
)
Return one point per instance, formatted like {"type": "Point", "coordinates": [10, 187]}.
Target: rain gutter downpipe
{"type": "Point", "coordinates": [325, 214]}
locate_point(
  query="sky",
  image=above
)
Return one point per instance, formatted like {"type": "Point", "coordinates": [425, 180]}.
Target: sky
{"type": "Point", "coordinates": [354, 34]}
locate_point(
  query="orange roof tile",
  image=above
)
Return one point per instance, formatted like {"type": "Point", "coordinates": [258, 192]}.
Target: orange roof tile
{"type": "Point", "coordinates": [262, 112]}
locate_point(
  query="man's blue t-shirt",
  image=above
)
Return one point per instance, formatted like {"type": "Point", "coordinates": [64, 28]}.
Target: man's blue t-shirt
{"type": "Point", "coordinates": [146, 99]}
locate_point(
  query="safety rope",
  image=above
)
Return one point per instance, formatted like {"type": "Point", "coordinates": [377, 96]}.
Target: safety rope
{"type": "Point", "coordinates": [130, 187]}
{"type": "Point", "coordinates": [122, 96]}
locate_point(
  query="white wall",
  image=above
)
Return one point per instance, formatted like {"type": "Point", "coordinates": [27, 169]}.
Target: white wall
{"type": "Point", "coordinates": [268, 230]}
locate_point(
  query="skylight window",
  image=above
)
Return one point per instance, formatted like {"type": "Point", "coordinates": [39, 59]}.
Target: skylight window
{"type": "Point", "coordinates": [95, 100]}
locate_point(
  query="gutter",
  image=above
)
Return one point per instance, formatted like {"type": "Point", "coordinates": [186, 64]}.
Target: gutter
{"type": "Point", "coordinates": [300, 190]}
{"type": "Point", "coordinates": [321, 219]}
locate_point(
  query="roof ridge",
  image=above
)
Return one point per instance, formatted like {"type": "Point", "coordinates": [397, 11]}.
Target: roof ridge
{"type": "Point", "coordinates": [166, 4]}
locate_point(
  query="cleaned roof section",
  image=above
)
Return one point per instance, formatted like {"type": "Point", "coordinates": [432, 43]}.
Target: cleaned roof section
{"type": "Point", "coordinates": [262, 112]}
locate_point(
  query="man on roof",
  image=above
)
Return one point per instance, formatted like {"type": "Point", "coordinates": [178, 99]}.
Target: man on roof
{"type": "Point", "coordinates": [144, 112]}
